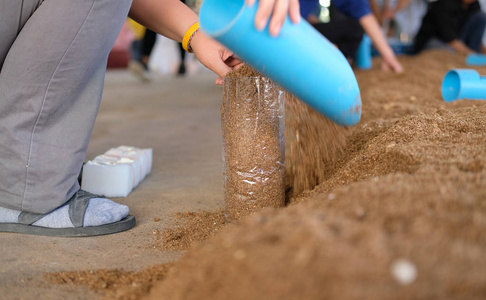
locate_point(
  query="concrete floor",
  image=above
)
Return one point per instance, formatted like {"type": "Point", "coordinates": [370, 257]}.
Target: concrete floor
{"type": "Point", "coordinates": [177, 117]}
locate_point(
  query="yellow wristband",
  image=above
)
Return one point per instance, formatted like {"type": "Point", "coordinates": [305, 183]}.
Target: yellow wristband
{"type": "Point", "coordinates": [186, 41]}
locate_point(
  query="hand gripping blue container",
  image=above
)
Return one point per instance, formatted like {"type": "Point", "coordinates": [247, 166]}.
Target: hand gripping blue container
{"type": "Point", "coordinates": [463, 84]}
{"type": "Point", "coordinates": [300, 59]}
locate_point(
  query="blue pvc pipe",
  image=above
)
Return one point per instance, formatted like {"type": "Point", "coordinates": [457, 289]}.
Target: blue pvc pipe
{"type": "Point", "coordinates": [300, 59]}
{"type": "Point", "coordinates": [463, 84]}
{"type": "Point", "coordinates": [363, 55]}
{"type": "Point", "coordinates": [476, 60]}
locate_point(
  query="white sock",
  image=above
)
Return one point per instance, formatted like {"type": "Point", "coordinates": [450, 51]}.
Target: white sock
{"type": "Point", "coordinates": [9, 215]}
{"type": "Point", "coordinates": [100, 211]}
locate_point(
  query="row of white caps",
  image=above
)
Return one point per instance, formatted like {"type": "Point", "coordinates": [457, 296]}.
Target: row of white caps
{"type": "Point", "coordinates": [116, 172]}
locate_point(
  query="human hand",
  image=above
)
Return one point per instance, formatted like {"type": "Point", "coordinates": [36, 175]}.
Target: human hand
{"type": "Point", "coordinates": [388, 13]}
{"type": "Point", "coordinates": [391, 64]}
{"type": "Point", "coordinates": [214, 56]}
{"type": "Point", "coordinates": [279, 10]}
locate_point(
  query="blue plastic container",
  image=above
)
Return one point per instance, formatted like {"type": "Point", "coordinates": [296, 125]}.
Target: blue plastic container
{"type": "Point", "coordinates": [300, 59]}
{"type": "Point", "coordinates": [476, 60]}
{"type": "Point", "coordinates": [463, 84]}
{"type": "Point", "coordinates": [363, 55]}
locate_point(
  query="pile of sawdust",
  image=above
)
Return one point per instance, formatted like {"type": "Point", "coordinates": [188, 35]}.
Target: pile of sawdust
{"type": "Point", "coordinates": [408, 186]}
{"type": "Point", "coordinates": [413, 190]}
{"type": "Point", "coordinates": [187, 229]}
{"type": "Point", "coordinates": [113, 284]}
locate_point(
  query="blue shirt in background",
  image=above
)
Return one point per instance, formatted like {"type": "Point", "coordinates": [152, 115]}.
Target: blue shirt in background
{"type": "Point", "coordinates": [352, 8]}
{"type": "Point", "coordinates": [308, 7]}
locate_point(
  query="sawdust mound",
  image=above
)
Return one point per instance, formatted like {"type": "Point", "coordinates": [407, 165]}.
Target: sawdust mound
{"type": "Point", "coordinates": [343, 244]}
{"type": "Point", "coordinates": [410, 185]}
{"type": "Point", "coordinates": [187, 229]}
{"type": "Point", "coordinates": [113, 284]}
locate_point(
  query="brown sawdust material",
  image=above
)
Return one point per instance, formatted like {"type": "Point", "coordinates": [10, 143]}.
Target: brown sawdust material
{"type": "Point", "coordinates": [409, 184]}
{"type": "Point", "coordinates": [188, 228]}
{"type": "Point", "coordinates": [252, 113]}
{"type": "Point", "coordinates": [311, 142]}
{"type": "Point", "coordinates": [244, 71]}
{"type": "Point", "coordinates": [113, 284]}
{"type": "Point", "coordinates": [399, 109]}
{"type": "Point", "coordinates": [343, 246]}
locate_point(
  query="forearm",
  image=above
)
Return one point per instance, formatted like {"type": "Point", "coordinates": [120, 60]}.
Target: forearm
{"type": "Point", "coordinates": [386, 4]}
{"type": "Point", "coordinates": [372, 28]}
{"type": "Point", "coordinates": [460, 47]}
{"type": "Point", "coordinates": [376, 10]}
{"type": "Point", "coordinates": [401, 4]}
{"type": "Point", "coordinates": [170, 18]}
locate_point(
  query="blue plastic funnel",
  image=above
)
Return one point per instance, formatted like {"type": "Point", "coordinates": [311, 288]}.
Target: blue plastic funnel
{"type": "Point", "coordinates": [300, 59]}
{"type": "Point", "coordinates": [463, 84]}
{"type": "Point", "coordinates": [476, 60]}
{"type": "Point", "coordinates": [363, 55]}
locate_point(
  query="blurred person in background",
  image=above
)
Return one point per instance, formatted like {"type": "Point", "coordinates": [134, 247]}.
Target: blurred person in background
{"type": "Point", "coordinates": [456, 24]}
{"type": "Point", "coordinates": [400, 19]}
{"type": "Point", "coordinates": [144, 44]}
{"type": "Point", "coordinates": [141, 50]}
{"type": "Point", "coordinates": [348, 21]}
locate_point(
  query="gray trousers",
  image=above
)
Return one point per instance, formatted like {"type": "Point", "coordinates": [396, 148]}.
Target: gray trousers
{"type": "Point", "coordinates": [53, 57]}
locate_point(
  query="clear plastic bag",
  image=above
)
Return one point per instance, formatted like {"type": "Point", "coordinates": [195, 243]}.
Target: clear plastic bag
{"type": "Point", "coordinates": [252, 116]}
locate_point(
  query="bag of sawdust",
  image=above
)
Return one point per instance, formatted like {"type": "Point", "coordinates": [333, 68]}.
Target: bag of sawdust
{"type": "Point", "coordinates": [252, 116]}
